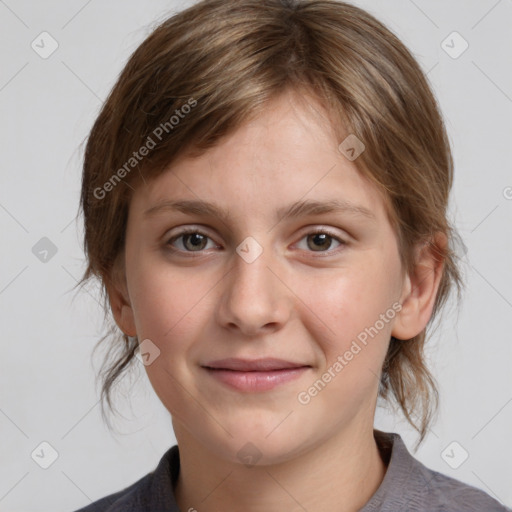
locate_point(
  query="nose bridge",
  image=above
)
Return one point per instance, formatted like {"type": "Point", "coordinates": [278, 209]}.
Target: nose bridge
{"type": "Point", "coordinates": [252, 296]}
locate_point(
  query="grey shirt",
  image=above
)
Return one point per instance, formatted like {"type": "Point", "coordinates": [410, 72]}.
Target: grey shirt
{"type": "Point", "coordinates": [408, 486]}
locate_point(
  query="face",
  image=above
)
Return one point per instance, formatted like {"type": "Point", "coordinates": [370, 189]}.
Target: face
{"type": "Point", "coordinates": [319, 289]}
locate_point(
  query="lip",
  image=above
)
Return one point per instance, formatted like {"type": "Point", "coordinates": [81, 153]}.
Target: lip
{"type": "Point", "coordinates": [256, 380]}
{"type": "Point", "coordinates": [252, 365]}
{"type": "Point", "coordinates": [256, 375]}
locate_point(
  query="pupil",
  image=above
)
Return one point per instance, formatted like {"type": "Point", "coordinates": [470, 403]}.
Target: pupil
{"type": "Point", "coordinates": [324, 242]}
{"type": "Point", "coordinates": [196, 239]}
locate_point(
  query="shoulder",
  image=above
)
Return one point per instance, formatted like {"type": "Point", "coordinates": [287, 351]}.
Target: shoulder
{"type": "Point", "coordinates": [119, 500]}
{"type": "Point", "coordinates": [152, 492]}
{"type": "Point", "coordinates": [449, 494]}
{"type": "Point", "coordinates": [410, 485]}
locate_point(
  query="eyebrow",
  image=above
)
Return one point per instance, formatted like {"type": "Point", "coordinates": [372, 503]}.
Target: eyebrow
{"type": "Point", "coordinates": [306, 207]}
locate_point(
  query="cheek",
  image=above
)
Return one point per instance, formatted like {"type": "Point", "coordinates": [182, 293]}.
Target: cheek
{"type": "Point", "coordinates": [170, 308]}
{"type": "Point", "coordinates": [166, 301]}
{"type": "Point", "coordinates": [348, 305]}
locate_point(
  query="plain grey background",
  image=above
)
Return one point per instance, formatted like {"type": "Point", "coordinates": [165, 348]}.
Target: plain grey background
{"type": "Point", "coordinates": [47, 380]}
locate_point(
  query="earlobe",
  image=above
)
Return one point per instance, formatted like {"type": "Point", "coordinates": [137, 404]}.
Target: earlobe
{"type": "Point", "coordinates": [420, 289]}
{"type": "Point", "coordinates": [120, 303]}
{"type": "Point", "coordinates": [127, 321]}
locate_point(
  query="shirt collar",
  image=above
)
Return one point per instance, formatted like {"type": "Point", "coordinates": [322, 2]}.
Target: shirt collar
{"type": "Point", "coordinates": [401, 467]}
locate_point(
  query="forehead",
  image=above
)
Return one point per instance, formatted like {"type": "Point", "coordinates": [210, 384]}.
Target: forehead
{"type": "Point", "coordinates": [288, 153]}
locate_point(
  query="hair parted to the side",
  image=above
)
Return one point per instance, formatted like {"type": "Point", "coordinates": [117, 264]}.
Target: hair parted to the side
{"type": "Point", "coordinates": [228, 59]}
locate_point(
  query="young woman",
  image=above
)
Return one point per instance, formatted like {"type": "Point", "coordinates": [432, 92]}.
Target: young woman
{"type": "Point", "coordinates": [265, 201]}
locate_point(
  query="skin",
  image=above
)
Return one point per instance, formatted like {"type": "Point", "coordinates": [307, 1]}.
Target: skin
{"type": "Point", "coordinates": [303, 299]}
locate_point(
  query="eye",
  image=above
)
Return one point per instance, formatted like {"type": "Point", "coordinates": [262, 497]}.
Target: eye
{"type": "Point", "coordinates": [191, 240]}
{"type": "Point", "coordinates": [321, 241]}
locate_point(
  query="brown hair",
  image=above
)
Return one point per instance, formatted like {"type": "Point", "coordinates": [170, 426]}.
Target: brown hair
{"type": "Point", "coordinates": [207, 69]}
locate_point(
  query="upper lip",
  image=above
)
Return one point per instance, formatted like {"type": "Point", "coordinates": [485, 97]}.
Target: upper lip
{"type": "Point", "coordinates": [248, 365]}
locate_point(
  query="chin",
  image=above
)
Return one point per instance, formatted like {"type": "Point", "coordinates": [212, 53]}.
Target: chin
{"type": "Point", "coordinates": [254, 446]}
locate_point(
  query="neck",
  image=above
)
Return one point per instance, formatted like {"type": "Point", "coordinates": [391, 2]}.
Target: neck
{"type": "Point", "coordinates": [342, 474]}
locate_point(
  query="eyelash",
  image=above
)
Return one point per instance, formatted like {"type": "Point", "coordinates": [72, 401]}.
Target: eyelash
{"type": "Point", "coordinates": [191, 231]}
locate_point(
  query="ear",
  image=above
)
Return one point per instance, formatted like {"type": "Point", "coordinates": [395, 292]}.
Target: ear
{"type": "Point", "coordinates": [119, 299]}
{"type": "Point", "coordinates": [420, 288]}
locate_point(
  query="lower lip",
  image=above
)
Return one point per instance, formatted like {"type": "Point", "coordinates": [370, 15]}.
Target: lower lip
{"type": "Point", "coordinates": [256, 381]}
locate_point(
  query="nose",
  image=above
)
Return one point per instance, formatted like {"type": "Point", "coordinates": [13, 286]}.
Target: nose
{"type": "Point", "coordinates": [254, 298]}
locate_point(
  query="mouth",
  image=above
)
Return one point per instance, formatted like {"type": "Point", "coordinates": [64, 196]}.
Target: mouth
{"type": "Point", "coordinates": [254, 365]}
{"type": "Point", "coordinates": [255, 375]}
